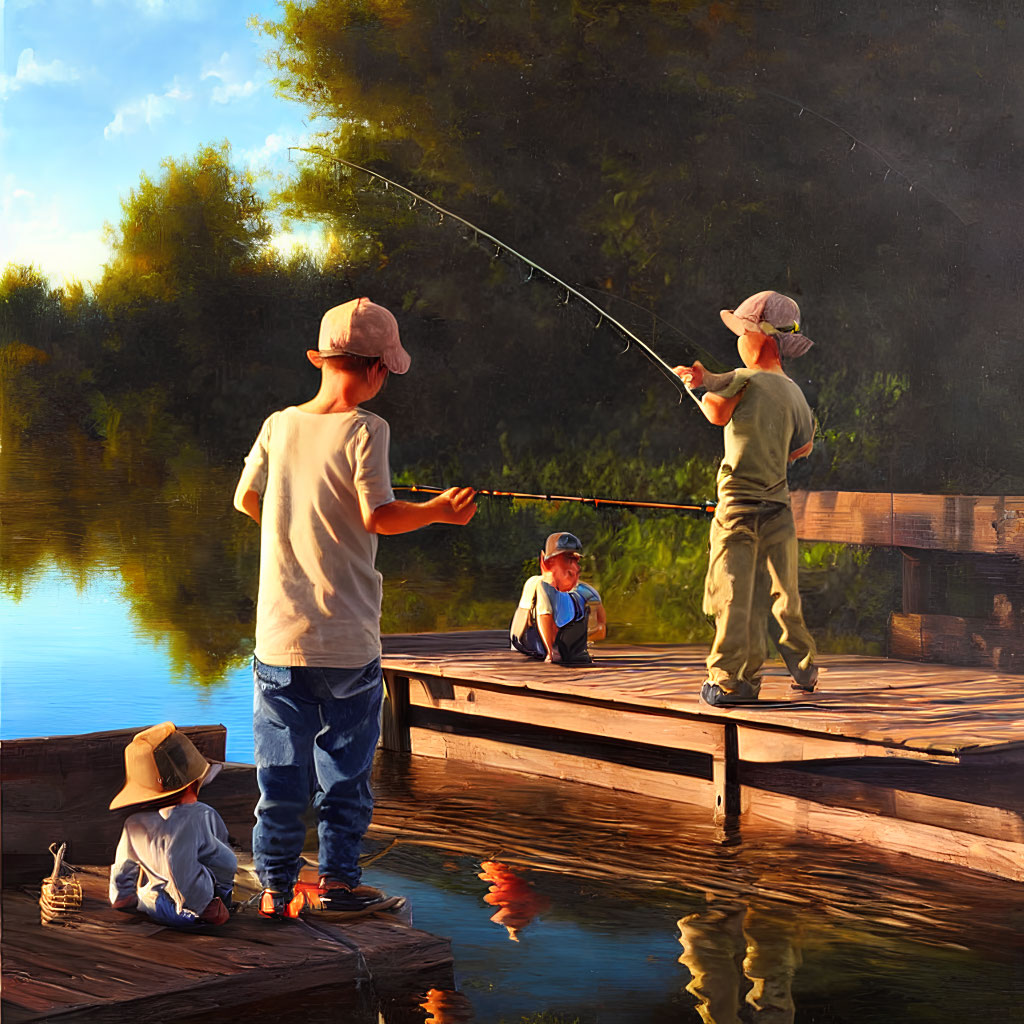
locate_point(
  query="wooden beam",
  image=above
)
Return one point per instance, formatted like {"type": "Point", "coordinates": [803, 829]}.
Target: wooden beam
{"type": "Point", "coordinates": [992, 856]}
{"type": "Point", "coordinates": [395, 712]}
{"type": "Point", "coordinates": [725, 775]}
{"type": "Point", "coordinates": [679, 732]}
{"type": "Point", "coordinates": [851, 517]}
{"type": "Point", "coordinates": [767, 745]}
{"type": "Point", "coordinates": [940, 522]}
{"type": "Point", "coordinates": [557, 765]}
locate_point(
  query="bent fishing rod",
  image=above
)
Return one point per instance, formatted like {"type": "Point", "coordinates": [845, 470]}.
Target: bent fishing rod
{"type": "Point", "coordinates": [502, 247]}
{"type": "Point", "coordinates": [704, 508]}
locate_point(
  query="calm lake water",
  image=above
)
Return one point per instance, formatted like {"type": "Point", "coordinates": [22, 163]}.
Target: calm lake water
{"type": "Point", "coordinates": [622, 909]}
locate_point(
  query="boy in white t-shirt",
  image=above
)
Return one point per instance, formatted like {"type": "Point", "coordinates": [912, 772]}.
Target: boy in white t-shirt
{"type": "Point", "coordinates": [318, 482]}
{"type": "Point", "coordinates": [553, 620]}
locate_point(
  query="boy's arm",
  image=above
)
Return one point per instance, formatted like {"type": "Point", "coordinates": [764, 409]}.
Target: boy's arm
{"type": "Point", "coordinates": [253, 480]}
{"type": "Point", "coordinates": [600, 630]}
{"type": "Point", "coordinates": [802, 452]}
{"type": "Point", "coordinates": [249, 503]}
{"type": "Point", "coordinates": [124, 876]}
{"type": "Point", "coordinates": [454, 506]}
{"type": "Point", "coordinates": [717, 408]}
{"type": "Point", "coordinates": [548, 632]}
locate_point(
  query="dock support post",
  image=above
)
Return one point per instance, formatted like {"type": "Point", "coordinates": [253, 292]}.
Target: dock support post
{"type": "Point", "coordinates": [726, 774]}
{"type": "Point", "coordinates": [394, 726]}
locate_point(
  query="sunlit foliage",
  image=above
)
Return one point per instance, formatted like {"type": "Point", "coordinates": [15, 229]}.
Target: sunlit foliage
{"type": "Point", "coordinates": [667, 157]}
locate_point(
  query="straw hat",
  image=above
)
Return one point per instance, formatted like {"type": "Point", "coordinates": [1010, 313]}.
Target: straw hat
{"type": "Point", "coordinates": [160, 761]}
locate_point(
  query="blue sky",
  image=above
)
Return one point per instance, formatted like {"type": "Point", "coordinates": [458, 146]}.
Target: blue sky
{"type": "Point", "coordinates": [95, 92]}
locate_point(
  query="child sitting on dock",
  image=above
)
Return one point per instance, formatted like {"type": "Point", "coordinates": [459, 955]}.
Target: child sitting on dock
{"type": "Point", "coordinates": [553, 620]}
{"type": "Point", "coordinates": [173, 861]}
{"type": "Point", "coordinates": [318, 481]}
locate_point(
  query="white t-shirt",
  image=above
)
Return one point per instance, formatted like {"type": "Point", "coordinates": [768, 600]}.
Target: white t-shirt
{"type": "Point", "coordinates": [547, 600]}
{"type": "Point", "coordinates": [319, 593]}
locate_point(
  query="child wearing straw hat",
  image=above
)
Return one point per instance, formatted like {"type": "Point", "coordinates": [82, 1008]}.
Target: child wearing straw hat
{"type": "Point", "coordinates": [754, 556]}
{"type": "Point", "coordinates": [173, 861]}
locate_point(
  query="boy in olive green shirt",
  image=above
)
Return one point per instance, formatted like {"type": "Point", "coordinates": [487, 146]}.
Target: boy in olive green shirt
{"type": "Point", "coordinates": [754, 555]}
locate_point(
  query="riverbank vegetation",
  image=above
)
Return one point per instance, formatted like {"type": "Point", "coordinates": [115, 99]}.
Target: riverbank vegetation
{"type": "Point", "coordinates": [658, 156]}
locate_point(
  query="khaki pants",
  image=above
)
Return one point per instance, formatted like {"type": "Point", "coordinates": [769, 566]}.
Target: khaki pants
{"type": "Point", "coordinates": [752, 571]}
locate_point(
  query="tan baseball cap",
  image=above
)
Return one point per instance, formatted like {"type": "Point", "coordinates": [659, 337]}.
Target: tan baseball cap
{"type": "Point", "coordinates": [360, 327]}
{"type": "Point", "coordinates": [770, 313]}
{"type": "Point", "coordinates": [160, 761]}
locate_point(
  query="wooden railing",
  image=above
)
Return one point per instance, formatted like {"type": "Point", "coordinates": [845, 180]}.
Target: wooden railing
{"type": "Point", "coordinates": [983, 534]}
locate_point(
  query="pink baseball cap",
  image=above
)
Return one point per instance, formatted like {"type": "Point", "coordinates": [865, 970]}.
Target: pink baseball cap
{"type": "Point", "coordinates": [770, 313]}
{"type": "Point", "coordinates": [360, 327]}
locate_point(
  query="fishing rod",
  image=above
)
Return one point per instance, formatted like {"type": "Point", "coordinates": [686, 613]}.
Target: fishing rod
{"type": "Point", "coordinates": [502, 247]}
{"type": "Point", "coordinates": [889, 162]}
{"type": "Point", "coordinates": [705, 507]}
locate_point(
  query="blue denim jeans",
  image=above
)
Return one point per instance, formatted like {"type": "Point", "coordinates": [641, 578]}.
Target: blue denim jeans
{"type": "Point", "coordinates": [165, 912]}
{"type": "Point", "coordinates": [315, 732]}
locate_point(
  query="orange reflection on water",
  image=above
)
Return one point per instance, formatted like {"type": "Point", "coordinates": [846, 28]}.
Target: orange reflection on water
{"type": "Point", "coordinates": [517, 901]}
{"type": "Point", "coordinates": [444, 1006]}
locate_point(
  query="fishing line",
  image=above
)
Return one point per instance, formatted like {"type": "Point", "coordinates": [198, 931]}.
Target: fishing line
{"type": "Point", "coordinates": [703, 508]}
{"type": "Point", "coordinates": [656, 319]}
{"type": "Point", "coordinates": [890, 164]}
{"type": "Point", "coordinates": [501, 248]}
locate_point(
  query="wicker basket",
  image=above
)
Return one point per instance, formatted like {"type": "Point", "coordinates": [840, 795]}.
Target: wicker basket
{"type": "Point", "coordinates": [61, 902]}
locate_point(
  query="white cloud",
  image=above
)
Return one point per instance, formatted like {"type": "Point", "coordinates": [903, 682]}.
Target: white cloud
{"type": "Point", "coordinates": [35, 233]}
{"type": "Point", "coordinates": [233, 91]}
{"type": "Point", "coordinates": [273, 154]}
{"type": "Point", "coordinates": [30, 72]}
{"type": "Point", "coordinates": [272, 146]}
{"type": "Point", "coordinates": [129, 117]}
{"type": "Point", "coordinates": [232, 86]}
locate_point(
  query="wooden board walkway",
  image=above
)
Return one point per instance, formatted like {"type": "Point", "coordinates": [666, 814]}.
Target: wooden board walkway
{"type": "Point", "coordinates": [921, 758]}
{"type": "Point", "coordinates": [113, 966]}
{"type": "Point", "coordinates": [116, 967]}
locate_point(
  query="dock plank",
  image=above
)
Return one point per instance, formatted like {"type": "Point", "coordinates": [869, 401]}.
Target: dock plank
{"type": "Point", "coordinates": [113, 966]}
{"type": "Point", "coordinates": [907, 707]}
{"type": "Point", "coordinates": [468, 698]}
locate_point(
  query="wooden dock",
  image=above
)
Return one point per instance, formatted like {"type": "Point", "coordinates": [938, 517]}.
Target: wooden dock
{"type": "Point", "coordinates": [111, 966]}
{"type": "Point", "coordinates": [917, 758]}
{"type": "Point", "coordinates": [117, 967]}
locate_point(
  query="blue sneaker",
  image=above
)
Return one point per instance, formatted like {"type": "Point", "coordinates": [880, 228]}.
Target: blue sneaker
{"type": "Point", "coordinates": [713, 694]}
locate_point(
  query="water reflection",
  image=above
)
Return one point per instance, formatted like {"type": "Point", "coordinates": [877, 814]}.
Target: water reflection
{"type": "Point", "coordinates": [652, 913]}
{"type": "Point", "coordinates": [445, 1006]}
{"type": "Point", "coordinates": [517, 901]}
{"type": "Point", "coordinates": [740, 956]}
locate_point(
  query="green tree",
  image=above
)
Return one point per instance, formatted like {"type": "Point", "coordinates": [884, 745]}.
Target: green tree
{"type": "Point", "coordinates": [202, 221]}
{"type": "Point", "coordinates": [682, 156]}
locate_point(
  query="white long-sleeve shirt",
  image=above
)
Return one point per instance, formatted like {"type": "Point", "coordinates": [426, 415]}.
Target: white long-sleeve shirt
{"type": "Point", "coordinates": [181, 850]}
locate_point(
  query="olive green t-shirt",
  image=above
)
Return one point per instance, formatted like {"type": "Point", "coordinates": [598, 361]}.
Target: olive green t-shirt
{"type": "Point", "coordinates": [771, 420]}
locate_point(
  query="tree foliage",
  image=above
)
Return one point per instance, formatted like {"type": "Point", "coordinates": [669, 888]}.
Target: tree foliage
{"type": "Point", "coordinates": [682, 156]}
{"type": "Point", "coordinates": [668, 157]}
